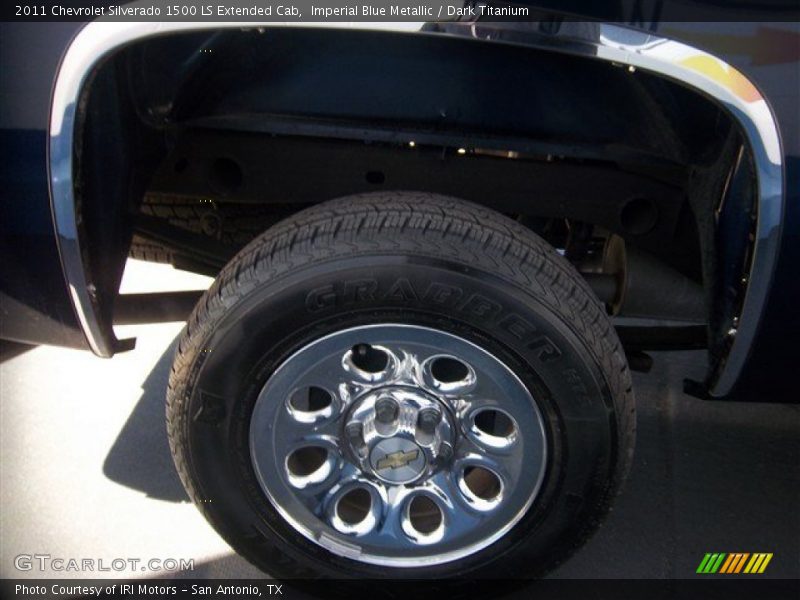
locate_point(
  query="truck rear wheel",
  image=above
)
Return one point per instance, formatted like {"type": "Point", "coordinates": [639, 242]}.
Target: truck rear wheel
{"type": "Point", "coordinates": [401, 385]}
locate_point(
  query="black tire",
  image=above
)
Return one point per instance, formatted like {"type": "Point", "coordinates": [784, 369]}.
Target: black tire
{"type": "Point", "coordinates": [288, 287]}
{"type": "Point", "coordinates": [143, 249]}
{"type": "Point", "coordinates": [228, 224]}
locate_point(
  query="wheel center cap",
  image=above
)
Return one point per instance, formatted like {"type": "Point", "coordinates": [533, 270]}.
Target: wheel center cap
{"type": "Point", "coordinates": [399, 434]}
{"type": "Point", "coordinates": [397, 460]}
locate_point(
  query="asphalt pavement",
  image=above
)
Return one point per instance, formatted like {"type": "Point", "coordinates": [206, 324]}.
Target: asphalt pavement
{"type": "Point", "coordinates": [85, 468]}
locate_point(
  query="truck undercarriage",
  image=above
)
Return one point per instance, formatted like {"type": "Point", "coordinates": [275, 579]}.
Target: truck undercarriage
{"type": "Point", "coordinates": [209, 138]}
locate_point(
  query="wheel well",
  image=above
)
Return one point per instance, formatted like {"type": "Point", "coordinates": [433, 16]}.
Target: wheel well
{"type": "Point", "coordinates": [207, 138]}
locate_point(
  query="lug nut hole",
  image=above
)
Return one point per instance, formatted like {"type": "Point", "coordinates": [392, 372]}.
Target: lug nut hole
{"type": "Point", "coordinates": [354, 506]}
{"type": "Point", "coordinates": [482, 483]}
{"type": "Point", "coordinates": [369, 359]}
{"type": "Point", "coordinates": [306, 461]}
{"type": "Point", "coordinates": [424, 514]}
{"type": "Point", "coordinates": [495, 423]}
{"type": "Point", "coordinates": [449, 370]}
{"type": "Point", "coordinates": [310, 399]}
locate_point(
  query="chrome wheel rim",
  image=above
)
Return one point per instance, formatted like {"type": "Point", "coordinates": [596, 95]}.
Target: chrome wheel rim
{"type": "Point", "coordinates": [398, 445]}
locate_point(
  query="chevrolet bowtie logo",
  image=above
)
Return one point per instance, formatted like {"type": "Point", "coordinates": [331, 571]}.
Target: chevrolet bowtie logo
{"type": "Point", "coordinates": [395, 460]}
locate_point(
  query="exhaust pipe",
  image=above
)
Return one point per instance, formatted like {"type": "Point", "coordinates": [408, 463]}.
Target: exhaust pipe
{"type": "Point", "coordinates": [633, 283]}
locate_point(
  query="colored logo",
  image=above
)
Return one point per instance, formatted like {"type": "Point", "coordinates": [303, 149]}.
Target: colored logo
{"type": "Point", "coordinates": [735, 562]}
{"type": "Point", "coordinates": [395, 460]}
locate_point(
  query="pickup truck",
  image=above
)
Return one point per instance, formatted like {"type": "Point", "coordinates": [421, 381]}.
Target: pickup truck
{"type": "Point", "coordinates": [439, 248]}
